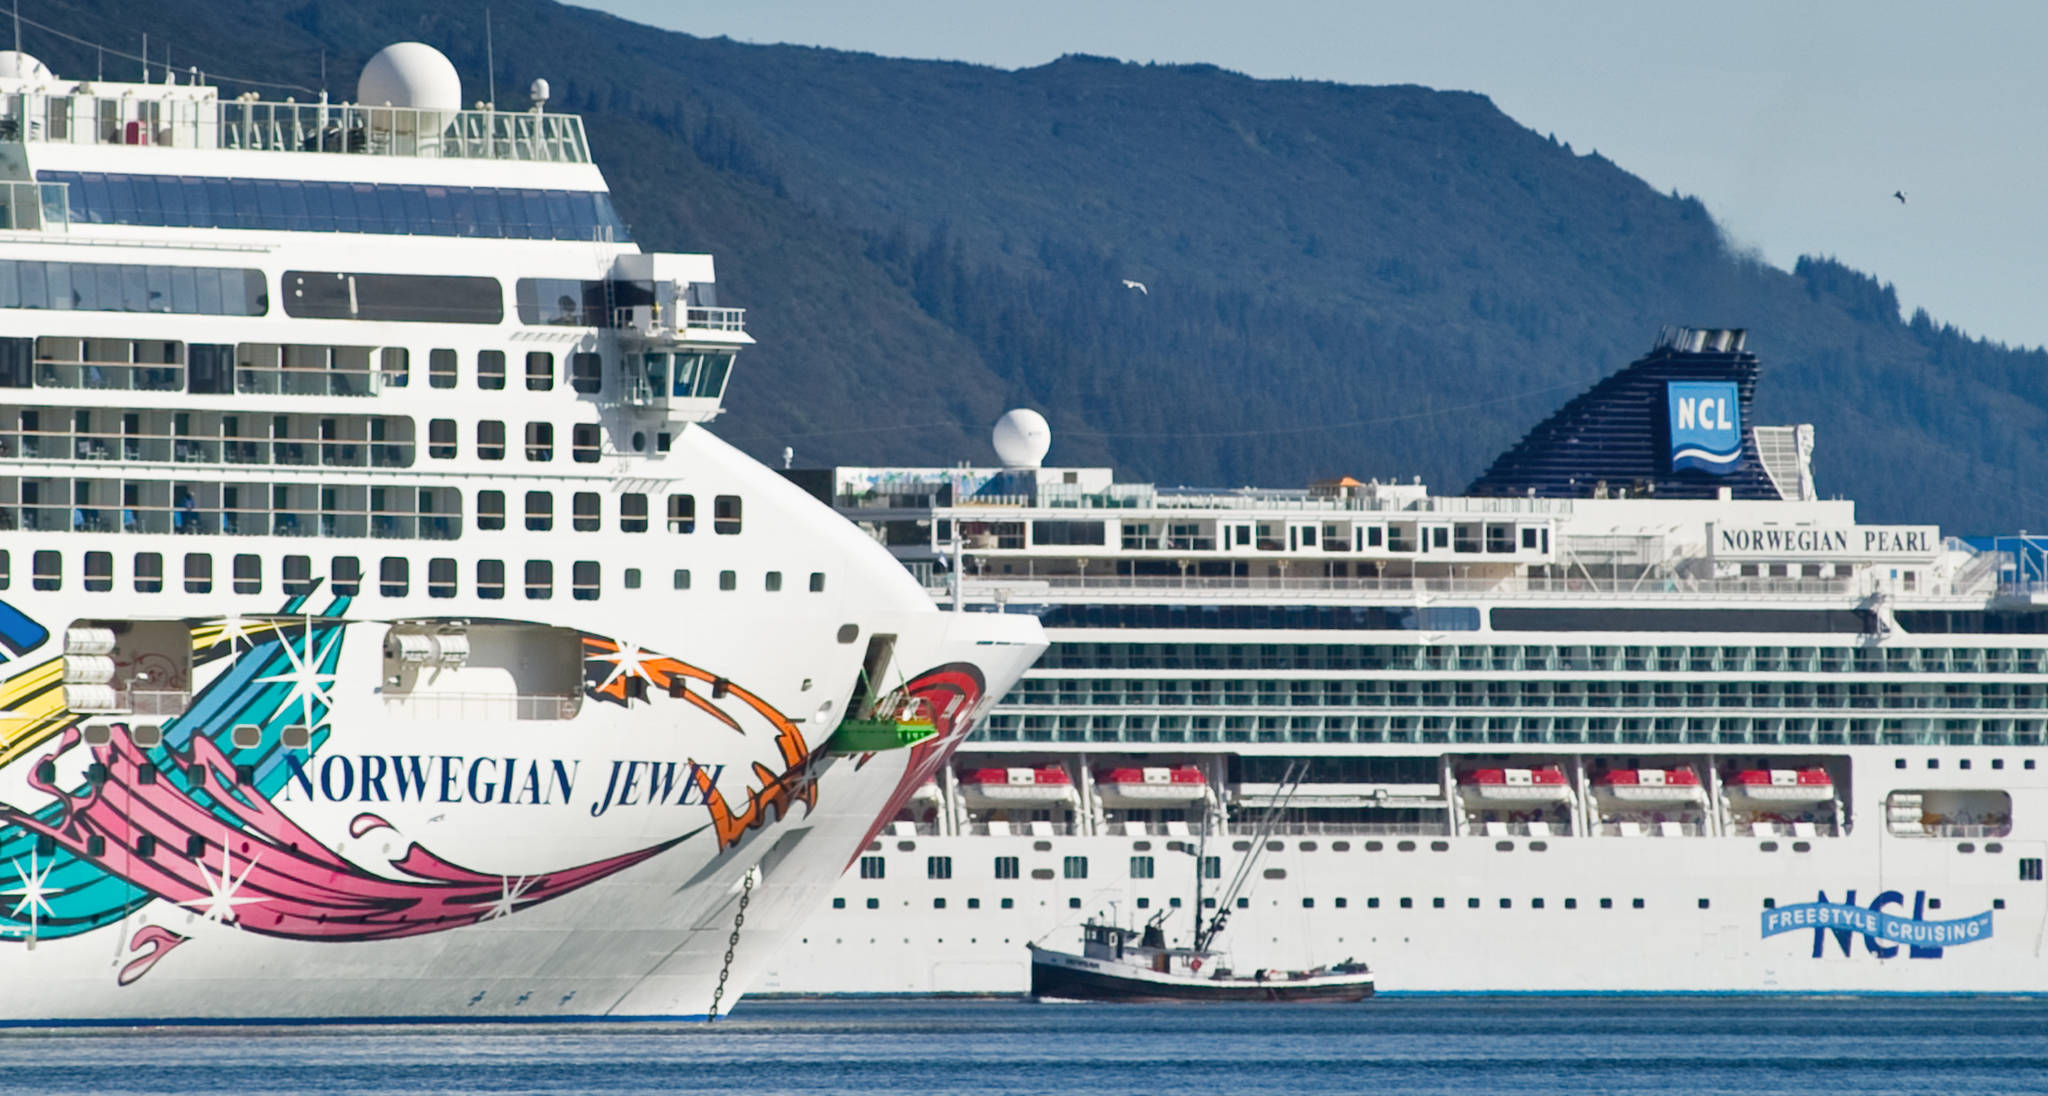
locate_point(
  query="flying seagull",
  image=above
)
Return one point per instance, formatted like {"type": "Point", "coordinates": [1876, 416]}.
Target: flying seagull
{"type": "Point", "coordinates": [1900, 195]}
{"type": "Point", "coordinates": [1139, 286]}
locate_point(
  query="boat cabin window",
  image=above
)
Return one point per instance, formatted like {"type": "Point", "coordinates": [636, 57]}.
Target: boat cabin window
{"type": "Point", "coordinates": [540, 371]}
{"type": "Point", "coordinates": [490, 370]}
{"type": "Point", "coordinates": [441, 368]}
{"type": "Point", "coordinates": [540, 579]}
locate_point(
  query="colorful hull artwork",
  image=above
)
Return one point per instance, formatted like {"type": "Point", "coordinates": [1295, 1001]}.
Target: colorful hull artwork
{"type": "Point", "coordinates": [198, 825]}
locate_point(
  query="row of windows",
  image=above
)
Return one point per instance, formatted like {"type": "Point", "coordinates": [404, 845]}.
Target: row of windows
{"type": "Point", "coordinates": [133, 287]}
{"type": "Point", "coordinates": [586, 517]}
{"type": "Point", "coordinates": [1720, 730]}
{"type": "Point", "coordinates": [300, 369]}
{"type": "Point", "coordinates": [1526, 693]}
{"type": "Point", "coordinates": [1514, 658]}
{"type": "Point", "coordinates": [397, 512]}
{"type": "Point", "coordinates": [311, 205]}
{"type": "Point", "coordinates": [243, 573]}
{"type": "Point", "coordinates": [1343, 902]}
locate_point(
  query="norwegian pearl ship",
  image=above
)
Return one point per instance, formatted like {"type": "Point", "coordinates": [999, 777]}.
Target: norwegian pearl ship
{"type": "Point", "coordinates": [386, 636]}
{"type": "Point", "coordinates": [1638, 712]}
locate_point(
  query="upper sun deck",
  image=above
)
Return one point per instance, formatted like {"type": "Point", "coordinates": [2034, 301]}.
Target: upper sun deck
{"type": "Point", "coordinates": [409, 107]}
{"type": "Point", "coordinates": [194, 117]}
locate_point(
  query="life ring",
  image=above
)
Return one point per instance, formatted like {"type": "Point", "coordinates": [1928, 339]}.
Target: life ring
{"type": "Point", "coordinates": [1194, 964]}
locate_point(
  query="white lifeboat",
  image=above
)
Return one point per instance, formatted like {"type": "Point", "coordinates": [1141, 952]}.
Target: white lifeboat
{"type": "Point", "coordinates": [1009, 787]}
{"type": "Point", "coordinates": [1651, 785]}
{"type": "Point", "coordinates": [1516, 785]}
{"type": "Point", "coordinates": [1143, 787]}
{"type": "Point", "coordinates": [1783, 785]}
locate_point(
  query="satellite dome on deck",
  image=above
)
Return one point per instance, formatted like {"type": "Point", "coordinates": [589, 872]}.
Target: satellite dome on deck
{"type": "Point", "coordinates": [410, 74]}
{"type": "Point", "coordinates": [1022, 438]}
{"type": "Point", "coordinates": [16, 65]}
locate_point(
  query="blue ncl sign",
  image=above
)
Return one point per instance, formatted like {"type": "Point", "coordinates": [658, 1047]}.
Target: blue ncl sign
{"type": "Point", "coordinates": [1706, 426]}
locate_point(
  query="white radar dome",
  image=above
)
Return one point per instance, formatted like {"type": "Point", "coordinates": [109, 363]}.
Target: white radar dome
{"type": "Point", "coordinates": [1022, 438]}
{"type": "Point", "coordinates": [410, 74]}
{"type": "Point", "coordinates": [16, 65]}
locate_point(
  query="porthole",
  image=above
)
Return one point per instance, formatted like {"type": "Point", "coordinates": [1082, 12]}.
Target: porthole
{"type": "Point", "coordinates": [640, 441]}
{"type": "Point", "coordinates": [1439, 846]}
{"type": "Point", "coordinates": [1503, 846]}
{"type": "Point", "coordinates": [1802, 846]}
{"type": "Point", "coordinates": [849, 632]}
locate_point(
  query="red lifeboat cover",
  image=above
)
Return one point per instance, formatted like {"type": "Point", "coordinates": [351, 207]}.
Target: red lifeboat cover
{"type": "Point", "coordinates": [1051, 774]}
{"type": "Point", "coordinates": [985, 776]}
{"type": "Point", "coordinates": [1764, 777]}
{"type": "Point", "coordinates": [1500, 776]}
{"type": "Point", "coordinates": [1672, 777]}
{"type": "Point", "coordinates": [1187, 774]}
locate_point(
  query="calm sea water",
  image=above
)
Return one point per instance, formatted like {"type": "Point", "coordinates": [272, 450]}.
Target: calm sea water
{"type": "Point", "coordinates": [1750, 1046]}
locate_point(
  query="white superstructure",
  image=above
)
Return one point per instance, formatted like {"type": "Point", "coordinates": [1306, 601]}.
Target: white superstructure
{"type": "Point", "coordinates": [1565, 733]}
{"type": "Point", "coordinates": [387, 636]}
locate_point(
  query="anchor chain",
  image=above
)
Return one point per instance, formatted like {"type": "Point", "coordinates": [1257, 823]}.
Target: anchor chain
{"type": "Point", "coordinates": [731, 942]}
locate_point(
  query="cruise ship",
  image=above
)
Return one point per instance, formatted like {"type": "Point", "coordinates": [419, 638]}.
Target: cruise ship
{"type": "Point", "coordinates": [386, 635]}
{"type": "Point", "coordinates": [1639, 711]}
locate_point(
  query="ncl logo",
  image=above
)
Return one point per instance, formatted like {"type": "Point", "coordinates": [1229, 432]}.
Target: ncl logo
{"type": "Point", "coordinates": [1706, 426]}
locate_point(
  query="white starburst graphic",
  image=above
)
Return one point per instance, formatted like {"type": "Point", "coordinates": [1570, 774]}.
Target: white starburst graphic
{"type": "Point", "coordinates": [35, 890]}
{"type": "Point", "coordinates": [308, 684]}
{"type": "Point", "coordinates": [237, 631]}
{"type": "Point", "coordinates": [222, 891]}
{"type": "Point", "coordinates": [626, 662]}
{"type": "Point", "coordinates": [513, 889]}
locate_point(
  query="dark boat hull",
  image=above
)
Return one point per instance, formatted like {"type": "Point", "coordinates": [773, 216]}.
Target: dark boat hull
{"type": "Point", "coordinates": [1052, 979]}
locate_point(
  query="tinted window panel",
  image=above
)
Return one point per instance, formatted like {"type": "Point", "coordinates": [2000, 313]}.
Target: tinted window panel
{"type": "Point", "coordinates": [405, 298]}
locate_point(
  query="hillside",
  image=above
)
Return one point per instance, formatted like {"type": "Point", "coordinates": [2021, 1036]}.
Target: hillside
{"type": "Point", "coordinates": [1366, 280]}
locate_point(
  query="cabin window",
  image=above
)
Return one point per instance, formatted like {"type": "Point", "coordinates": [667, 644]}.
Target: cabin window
{"type": "Point", "coordinates": [395, 364]}
{"type": "Point", "coordinates": [490, 509]}
{"type": "Point", "coordinates": [393, 576]}
{"type": "Point", "coordinates": [725, 514]}
{"type": "Point", "coordinates": [540, 511]}
{"type": "Point", "coordinates": [938, 867]}
{"type": "Point", "coordinates": [49, 570]}
{"type": "Point", "coordinates": [1141, 867]}
{"type": "Point", "coordinates": [540, 441]}
{"type": "Point", "coordinates": [540, 371]}
{"type": "Point", "coordinates": [583, 512]}
{"type": "Point", "coordinates": [584, 445]}
{"type": "Point", "coordinates": [149, 572]}
{"type": "Point", "coordinates": [99, 571]}
{"type": "Point", "coordinates": [441, 368]}
{"type": "Point", "coordinates": [682, 513]}
{"type": "Point", "coordinates": [1075, 867]}
{"type": "Point", "coordinates": [441, 577]}
{"type": "Point", "coordinates": [586, 373]}
{"type": "Point", "coordinates": [817, 582]}
{"type": "Point", "coordinates": [441, 439]}
{"type": "Point", "coordinates": [198, 573]}
{"type": "Point", "coordinates": [728, 580]}
{"type": "Point", "coordinates": [490, 579]}
{"type": "Point", "coordinates": [248, 574]}
{"type": "Point", "coordinates": [872, 867]}
{"type": "Point", "coordinates": [540, 579]}
{"type": "Point", "coordinates": [774, 581]}
{"type": "Point", "coordinates": [682, 579]}
{"type": "Point", "coordinates": [298, 575]}
{"type": "Point", "coordinates": [490, 370]}
{"type": "Point", "coordinates": [583, 580]}
{"type": "Point", "coordinates": [1006, 867]}
{"type": "Point", "coordinates": [490, 440]}
{"type": "Point", "coordinates": [632, 513]}
{"type": "Point", "coordinates": [346, 575]}
{"type": "Point", "coordinates": [632, 578]}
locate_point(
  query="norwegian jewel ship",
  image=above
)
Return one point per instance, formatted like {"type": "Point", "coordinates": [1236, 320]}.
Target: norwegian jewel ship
{"type": "Point", "coordinates": [1638, 712]}
{"type": "Point", "coordinates": [386, 635]}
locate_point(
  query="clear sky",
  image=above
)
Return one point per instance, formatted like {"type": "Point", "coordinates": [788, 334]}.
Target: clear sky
{"type": "Point", "coordinates": [1793, 121]}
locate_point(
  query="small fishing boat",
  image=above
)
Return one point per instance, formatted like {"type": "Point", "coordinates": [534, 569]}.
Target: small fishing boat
{"type": "Point", "coordinates": [1118, 963]}
{"type": "Point", "coordinates": [1128, 964]}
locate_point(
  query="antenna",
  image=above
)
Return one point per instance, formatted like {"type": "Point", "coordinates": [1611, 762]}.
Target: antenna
{"type": "Point", "coordinates": [17, 26]}
{"type": "Point", "coordinates": [490, 59]}
{"type": "Point", "coordinates": [145, 57]}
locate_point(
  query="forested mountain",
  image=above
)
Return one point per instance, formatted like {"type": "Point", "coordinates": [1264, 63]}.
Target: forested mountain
{"type": "Point", "coordinates": [1379, 281]}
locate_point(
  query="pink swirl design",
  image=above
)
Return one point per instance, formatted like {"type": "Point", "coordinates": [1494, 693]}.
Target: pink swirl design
{"type": "Point", "coordinates": [277, 879]}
